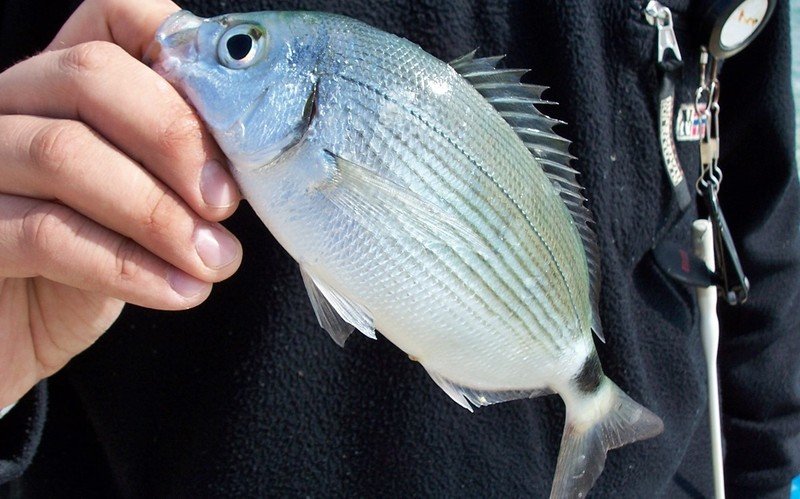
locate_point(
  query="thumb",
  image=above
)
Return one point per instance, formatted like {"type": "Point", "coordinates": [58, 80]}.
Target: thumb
{"type": "Point", "coordinates": [131, 25]}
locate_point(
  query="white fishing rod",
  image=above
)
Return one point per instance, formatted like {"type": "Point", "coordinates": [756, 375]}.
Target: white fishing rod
{"type": "Point", "coordinates": [703, 240]}
{"type": "Point", "coordinates": [729, 25]}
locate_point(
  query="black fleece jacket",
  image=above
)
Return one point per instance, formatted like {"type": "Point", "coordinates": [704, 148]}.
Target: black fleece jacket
{"type": "Point", "coordinates": [247, 396]}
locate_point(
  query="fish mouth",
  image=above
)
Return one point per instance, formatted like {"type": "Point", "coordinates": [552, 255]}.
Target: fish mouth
{"type": "Point", "coordinates": [175, 41]}
{"type": "Point", "coordinates": [177, 25]}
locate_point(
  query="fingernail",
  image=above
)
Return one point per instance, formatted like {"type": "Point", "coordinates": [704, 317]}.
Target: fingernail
{"type": "Point", "coordinates": [216, 185]}
{"type": "Point", "coordinates": [185, 285]}
{"type": "Point", "coordinates": [216, 248]}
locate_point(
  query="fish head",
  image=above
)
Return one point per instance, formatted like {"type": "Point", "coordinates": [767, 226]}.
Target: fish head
{"type": "Point", "coordinates": [251, 77]}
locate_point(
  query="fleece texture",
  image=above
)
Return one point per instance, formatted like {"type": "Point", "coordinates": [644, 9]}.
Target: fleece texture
{"type": "Point", "coordinates": [247, 396]}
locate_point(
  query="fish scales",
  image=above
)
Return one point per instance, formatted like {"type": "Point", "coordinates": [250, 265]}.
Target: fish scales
{"type": "Point", "coordinates": [425, 281]}
{"type": "Point", "coordinates": [414, 208]}
{"type": "Point", "coordinates": [431, 175]}
{"type": "Point", "coordinates": [498, 284]}
{"type": "Point", "coordinates": [492, 277]}
{"type": "Point", "coordinates": [489, 279]}
{"type": "Point", "coordinates": [525, 154]}
{"type": "Point", "coordinates": [358, 126]}
{"type": "Point", "coordinates": [515, 169]}
{"type": "Point", "coordinates": [419, 75]}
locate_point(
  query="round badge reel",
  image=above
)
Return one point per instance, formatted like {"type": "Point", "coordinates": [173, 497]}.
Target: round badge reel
{"type": "Point", "coordinates": [732, 24]}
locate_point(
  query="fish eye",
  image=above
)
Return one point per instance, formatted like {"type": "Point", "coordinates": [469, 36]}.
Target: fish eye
{"type": "Point", "coordinates": [241, 46]}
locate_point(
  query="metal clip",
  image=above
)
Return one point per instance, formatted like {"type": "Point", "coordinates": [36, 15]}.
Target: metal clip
{"type": "Point", "coordinates": [707, 104]}
{"type": "Point", "coordinates": [734, 285]}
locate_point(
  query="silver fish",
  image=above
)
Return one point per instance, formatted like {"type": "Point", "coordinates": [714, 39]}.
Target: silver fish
{"type": "Point", "coordinates": [429, 201]}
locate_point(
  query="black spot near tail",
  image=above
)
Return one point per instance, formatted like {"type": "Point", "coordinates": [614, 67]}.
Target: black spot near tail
{"type": "Point", "coordinates": [588, 378]}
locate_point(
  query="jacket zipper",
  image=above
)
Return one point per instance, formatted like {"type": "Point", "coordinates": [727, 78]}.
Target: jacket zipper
{"type": "Point", "coordinates": [660, 16]}
{"type": "Point", "coordinates": [669, 62]}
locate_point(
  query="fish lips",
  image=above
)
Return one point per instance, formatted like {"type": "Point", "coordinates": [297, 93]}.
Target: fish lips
{"type": "Point", "coordinates": [175, 43]}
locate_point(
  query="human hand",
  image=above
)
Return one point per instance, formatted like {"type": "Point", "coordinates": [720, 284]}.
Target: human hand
{"type": "Point", "coordinates": [110, 190]}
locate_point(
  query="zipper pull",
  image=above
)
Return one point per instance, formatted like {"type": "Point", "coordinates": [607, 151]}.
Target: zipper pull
{"type": "Point", "coordinates": [661, 17]}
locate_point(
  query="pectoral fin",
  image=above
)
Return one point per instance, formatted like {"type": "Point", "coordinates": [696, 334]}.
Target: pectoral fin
{"type": "Point", "coordinates": [383, 206]}
{"type": "Point", "coordinates": [336, 314]}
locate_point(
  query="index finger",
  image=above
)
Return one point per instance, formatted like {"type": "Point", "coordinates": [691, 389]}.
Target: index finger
{"type": "Point", "coordinates": [131, 25]}
{"type": "Point", "coordinates": [124, 101]}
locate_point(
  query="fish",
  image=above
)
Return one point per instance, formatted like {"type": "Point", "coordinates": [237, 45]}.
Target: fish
{"type": "Point", "coordinates": [429, 201]}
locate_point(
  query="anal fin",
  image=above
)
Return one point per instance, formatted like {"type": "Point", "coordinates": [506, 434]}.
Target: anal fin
{"type": "Point", "coordinates": [464, 396]}
{"type": "Point", "coordinates": [336, 314]}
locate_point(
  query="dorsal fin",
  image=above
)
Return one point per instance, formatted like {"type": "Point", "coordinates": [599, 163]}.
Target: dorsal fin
{"type": "Point", "coordinates": [516, 101]}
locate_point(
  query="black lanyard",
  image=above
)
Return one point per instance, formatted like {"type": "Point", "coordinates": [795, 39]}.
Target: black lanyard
{"type": "Point", "coordinates": [729, 26]}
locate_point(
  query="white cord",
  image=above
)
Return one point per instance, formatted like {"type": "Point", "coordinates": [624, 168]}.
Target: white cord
{"type": "Point", "coordinates": [703, 239]}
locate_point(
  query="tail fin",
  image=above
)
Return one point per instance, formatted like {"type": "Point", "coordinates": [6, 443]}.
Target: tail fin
{"type": "Point", "coordinates": [585, 443]}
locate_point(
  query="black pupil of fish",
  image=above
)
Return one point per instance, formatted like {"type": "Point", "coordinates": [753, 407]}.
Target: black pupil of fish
{"type": "Point", "coordinates": [239, 46]}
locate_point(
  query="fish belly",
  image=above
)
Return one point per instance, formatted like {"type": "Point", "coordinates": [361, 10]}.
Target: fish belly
{"type": "Point", "coordinates": [433, 304]}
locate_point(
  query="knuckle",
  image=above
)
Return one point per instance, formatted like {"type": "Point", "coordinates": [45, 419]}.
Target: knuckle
{"type": "Point", "coordinates": [55, 145]}
{"type": "Point", "coordinates": [127, 260]}
{"type": "Point", "coordinates": [88, 57]}
{"type": "Point", "coordinates": [180, 133]}
{"type": "Point", "coordinates": [158, 213]}
{"type": "Point", "coordinates": [42, 229]}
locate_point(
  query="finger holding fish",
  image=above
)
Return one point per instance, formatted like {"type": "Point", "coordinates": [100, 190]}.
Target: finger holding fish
{"type": "Point", "coordinates": [130, 25]}
{"type": "Point", "coordinates": [64, 280]}
{"type": "Point", "coordinates": [133, 108]}
{"type": "Point", "coordinates": [57, 244]}
{"type": "Point", "coordinates": [66, 160]}
{"type": "Point", "coordinates": [110, 187]}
